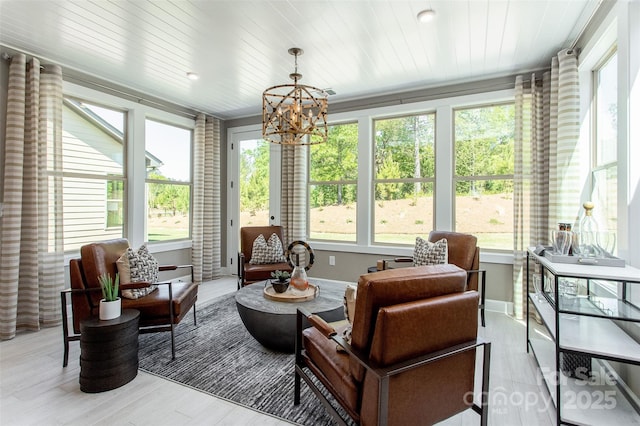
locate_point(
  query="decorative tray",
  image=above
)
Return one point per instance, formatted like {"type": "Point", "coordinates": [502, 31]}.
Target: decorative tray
{"type": "Point", "coordinates": [292, 295]}
{"type": "Point", "coordinates": [579, 260]}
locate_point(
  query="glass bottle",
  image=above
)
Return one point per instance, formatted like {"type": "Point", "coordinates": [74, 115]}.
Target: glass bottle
{"type": "Point", "coordinates": [588, 232]}
{"type": "Point", "coordinates": [299, 279]}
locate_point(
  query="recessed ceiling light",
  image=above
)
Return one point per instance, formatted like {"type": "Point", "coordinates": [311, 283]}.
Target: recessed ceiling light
{"type": "Point", "coordinates": [192, 76]}
{"type": "Point", "coordinates": [426, 15]}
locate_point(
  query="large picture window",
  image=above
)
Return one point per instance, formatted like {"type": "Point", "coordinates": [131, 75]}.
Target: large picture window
{"type": "Point", "coordinates": [484, 174]}
{"type": "Point", "coordinates": [333, 185]}
{"type": "Point", "coordinates": [388, 175]}
{"type": "Point", "coordinates": [168, 163]}
{"type": "Point", "coordinates": [404, 176]}
{"type": "Point", "coordinates": [94, 178]}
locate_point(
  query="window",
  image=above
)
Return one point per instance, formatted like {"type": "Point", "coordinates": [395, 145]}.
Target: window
{"type": "Point", "coordinates": [404, 177]}
{"type": "Point", "coordinates": [333, 185]}
{"type": "Point", "coordinates": [115, 204]}
{"type": "Point", "coordinates": [604, 170]}
{"type": "Point", "coordinates": [168, 165]}
{"type": "Point", "coordinates": [93, 167]}
{"type": "Point", "coordinates": [484, 174]}
{"type": "Point", "coordinates": [388, 175]}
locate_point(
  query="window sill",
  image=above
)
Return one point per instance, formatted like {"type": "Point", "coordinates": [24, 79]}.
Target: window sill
{"type": "Point", "coordinates": [485, 257]}
{"type": "Point", "coordinates": [162, 246]}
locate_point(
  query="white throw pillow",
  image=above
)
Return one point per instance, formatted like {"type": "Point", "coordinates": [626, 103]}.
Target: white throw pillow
{"type": "Point", "coordinates": [428, 253]}
{"type": "Point", "coordinates": [265, 252]}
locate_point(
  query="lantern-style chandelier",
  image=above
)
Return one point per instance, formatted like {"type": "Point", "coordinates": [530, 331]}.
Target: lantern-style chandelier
{"type": "Point", "coordinates": [294, 114]}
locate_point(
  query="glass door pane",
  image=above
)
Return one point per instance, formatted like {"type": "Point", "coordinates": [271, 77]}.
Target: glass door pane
{"type": "Point", "coordinates": [254, 183]}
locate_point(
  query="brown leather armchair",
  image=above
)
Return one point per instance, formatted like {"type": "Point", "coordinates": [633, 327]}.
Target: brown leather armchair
{"type": "Point", "coordinates": [413, 352]}
{"type": "Point", "coordinates": [160, 310]}
{"type": "Point", "coordinates": [249, 273]}
{"type": "Point", "coordinates": [462, 251]}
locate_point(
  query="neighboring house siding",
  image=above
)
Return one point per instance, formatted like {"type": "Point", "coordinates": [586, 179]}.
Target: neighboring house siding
{"type": "Point", "coordinates": [89, 151]}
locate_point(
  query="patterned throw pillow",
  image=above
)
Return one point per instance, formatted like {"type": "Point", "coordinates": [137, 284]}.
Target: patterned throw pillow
{"type": "Point", "coordinates": [136, 267]}
{"type": "Point", "coordinates": [264, 252]}
{"type": "Point", "coordinates": [428, 253]}
{"type": "Point", "coordinates": [350, 302]}
{"type": "Point", "coordinates": [349, 311]}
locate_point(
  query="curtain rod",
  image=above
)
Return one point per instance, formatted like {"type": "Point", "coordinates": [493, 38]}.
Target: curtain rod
{"type": "Point", "coordinates": [585, 25]}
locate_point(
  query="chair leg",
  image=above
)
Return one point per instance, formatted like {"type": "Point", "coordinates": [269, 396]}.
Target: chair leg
{"type": "Point", "coordinates": [173, 343]}
{"type": "Point", "coordinates": [195, 321]}
{"type": "Point", "coordinates": [484, 398]}
{"type": "Point", "coordinates": [296, 388]}
{"type": "Point", "coordinates": [65, 329]}
{"type": "Point", "coordinates": [482, 297]}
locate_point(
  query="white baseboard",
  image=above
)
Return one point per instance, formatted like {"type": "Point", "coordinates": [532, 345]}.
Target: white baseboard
{"type": "Point", "coordinates": [499, 306]}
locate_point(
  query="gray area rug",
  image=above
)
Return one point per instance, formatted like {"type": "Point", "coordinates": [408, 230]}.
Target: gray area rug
{"type": "Point", "coordinates": [220, 357]}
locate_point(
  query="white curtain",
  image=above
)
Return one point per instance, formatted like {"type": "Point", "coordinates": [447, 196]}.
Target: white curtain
{"type": "Point", "coordinates": [31, 245]}
{"type": "Point", "coordinates": [207, 236]}
{"type": "Point", "coordinates": [547, 180]}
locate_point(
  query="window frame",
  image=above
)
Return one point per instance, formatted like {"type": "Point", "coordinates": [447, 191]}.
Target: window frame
{"type": "Point", "coordinates": [311, 183]}
{"type": "Point", "coordinates": [458, 178]}
{"type": "Point", "coordinates": [444, 168]}
{"type": "Point", "coordinates": [134, 227]}
{"type": "Point", "coordinates": [189, 183]}
{"type": "Point", "coordinates": [431, 180]}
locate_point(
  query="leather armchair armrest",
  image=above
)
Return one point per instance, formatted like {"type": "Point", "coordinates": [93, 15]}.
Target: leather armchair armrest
{"type": "Point", "coordinates": [321, 325]}
{"type": "Point", "coordinates": [383, 264]}
{"type": "Point", "coordinates": [172, 267]}
{"type": "Point", "coordinates": [162, 268]}
{"type": "Point", "coordinates": [410, 364]}
{"type": "Point", "coordinates": [139, 284]}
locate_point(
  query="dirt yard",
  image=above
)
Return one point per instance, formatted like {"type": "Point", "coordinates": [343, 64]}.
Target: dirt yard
{"type": "Point", "coordinates": [489, 213]}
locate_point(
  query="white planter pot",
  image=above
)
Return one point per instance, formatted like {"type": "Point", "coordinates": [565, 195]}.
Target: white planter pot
{"type": "Point", "coordinates": [110, 310]}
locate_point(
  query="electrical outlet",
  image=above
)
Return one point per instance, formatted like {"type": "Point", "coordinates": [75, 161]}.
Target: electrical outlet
{"type": "Point", "coordinates": [332, 261]}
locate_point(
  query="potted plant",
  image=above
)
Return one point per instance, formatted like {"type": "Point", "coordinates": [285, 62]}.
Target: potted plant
{"type": "Point", "coordinates": [280, 283]}
{"type": "Point", "coordinates": [110, 305]}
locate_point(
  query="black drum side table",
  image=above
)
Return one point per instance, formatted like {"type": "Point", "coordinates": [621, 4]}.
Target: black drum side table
{"type": "Point", "coordinates": [109, 352]}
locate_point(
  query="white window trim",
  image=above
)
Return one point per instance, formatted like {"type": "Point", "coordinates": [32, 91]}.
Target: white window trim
{"type": "Point", "coordinates": [444, 169]}
{"type": "Point", "coordinates": [135, 223]}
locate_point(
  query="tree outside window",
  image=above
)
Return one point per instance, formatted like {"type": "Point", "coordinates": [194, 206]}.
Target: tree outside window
{"type": "Point", "coordinates": [332, 185]}
{"type": "Point", "coordinates": [483, 174]}
{"type": "Point", "coordinates": [404, 177]}
{"type": "Point", "coordinates": [168, 162]}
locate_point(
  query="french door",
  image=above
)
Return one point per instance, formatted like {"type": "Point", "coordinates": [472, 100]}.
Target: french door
{"type": "Point", "coordinates": [254, 186]}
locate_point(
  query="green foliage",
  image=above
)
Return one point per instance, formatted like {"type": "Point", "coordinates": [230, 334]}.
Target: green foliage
{"type": "Point", "coordinates": [254, 177]}
{"type": "Point", "coordinates": [333, 163]}
{"type": "Point", "coordinates": [404, 150]}
{"type": "Point", "coordinates": [170, 197]}
{"type": "Point", "coordinates": [484, 147]}
{"type": "Point", "coordinates": [109, 287]}
{"type": "Point", "coordinates": [281, 276]}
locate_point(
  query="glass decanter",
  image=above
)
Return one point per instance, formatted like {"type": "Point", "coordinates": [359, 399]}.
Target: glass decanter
{"type": "Point", "coordinates": [588, 245]}
{"type": "Point", "coordinates": [299, 279]}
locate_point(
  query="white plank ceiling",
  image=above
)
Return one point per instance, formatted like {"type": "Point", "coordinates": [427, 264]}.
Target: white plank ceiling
{"type": "Point", "coordinates": [239, 48]}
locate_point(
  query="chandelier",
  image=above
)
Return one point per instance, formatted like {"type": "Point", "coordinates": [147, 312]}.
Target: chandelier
{"type": "Point", "coordinates": [294, 114]}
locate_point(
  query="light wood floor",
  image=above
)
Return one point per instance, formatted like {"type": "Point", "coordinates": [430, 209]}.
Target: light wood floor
{"type": "Point", "coordinates": [36, 390]}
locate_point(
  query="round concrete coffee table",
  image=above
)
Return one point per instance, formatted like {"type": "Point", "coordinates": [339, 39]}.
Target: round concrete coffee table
{"type": "Point", "coordinates": [273, 323]}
